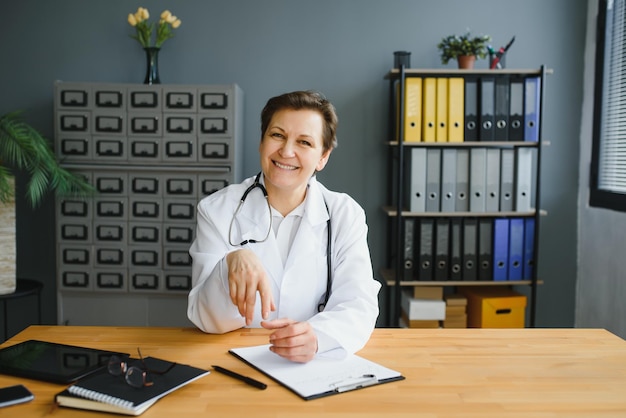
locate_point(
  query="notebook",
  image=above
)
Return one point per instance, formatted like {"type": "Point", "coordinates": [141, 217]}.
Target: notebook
{"type": "Point", "coordinates": [108, 393]}
{"type": "Point", "coordinates": [325, 375]}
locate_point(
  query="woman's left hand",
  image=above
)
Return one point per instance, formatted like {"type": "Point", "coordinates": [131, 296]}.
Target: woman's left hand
{"type": "Point", "coordinates": [295, 341]}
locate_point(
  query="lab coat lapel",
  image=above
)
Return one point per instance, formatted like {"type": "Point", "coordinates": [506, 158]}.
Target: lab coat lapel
{"type": "Point", "coordinates": [253, 222]}
{"type": "Point", "coordinates": [303, 262]}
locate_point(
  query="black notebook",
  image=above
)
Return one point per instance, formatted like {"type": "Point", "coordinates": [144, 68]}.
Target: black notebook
{"type": "Point", "coordinates": [108, 393]}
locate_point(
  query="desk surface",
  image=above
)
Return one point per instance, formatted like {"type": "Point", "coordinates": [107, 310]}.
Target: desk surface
{"type": "Point", "coordinates": [449, 372]}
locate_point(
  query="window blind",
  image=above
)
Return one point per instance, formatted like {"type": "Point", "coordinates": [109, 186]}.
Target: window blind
{"type": "Point", "coordinates": [608, 176]}
{"type": "Point", "coordinates": [612, 175]}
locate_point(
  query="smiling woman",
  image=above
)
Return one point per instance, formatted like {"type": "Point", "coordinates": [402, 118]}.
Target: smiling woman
{"type": "Point", "coordinates": [310, 279]}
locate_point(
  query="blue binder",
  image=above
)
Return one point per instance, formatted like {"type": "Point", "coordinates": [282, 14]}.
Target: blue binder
{"type": "Point", "coordinates": [500, 249]}
{"type": "Point", "coordinates": [529, 248]}
{"type": "Point", "coordinates": [516, 248]}
{"type": "Point", "coordinates": [531, 108]}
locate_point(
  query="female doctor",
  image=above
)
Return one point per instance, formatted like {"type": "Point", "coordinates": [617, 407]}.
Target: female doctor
{"type": "Point", "coordinates": [280, 250]}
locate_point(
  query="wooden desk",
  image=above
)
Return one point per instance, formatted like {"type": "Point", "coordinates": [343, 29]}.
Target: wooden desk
{"type": "Point", "coordinates": [449, 372]}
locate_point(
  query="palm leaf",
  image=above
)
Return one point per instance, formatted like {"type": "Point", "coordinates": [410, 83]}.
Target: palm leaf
{"type": "Point", "coordinates": [22, 147]}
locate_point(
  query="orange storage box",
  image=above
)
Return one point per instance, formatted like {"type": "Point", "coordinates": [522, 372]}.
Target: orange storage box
{"type": "Point", "coordinates": [494, 307]}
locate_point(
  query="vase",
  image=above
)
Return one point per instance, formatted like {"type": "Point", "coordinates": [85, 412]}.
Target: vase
{"type": "Point", "coordinates": [152, 71]}
{"type": "Point", "coordinates": [466, 61]}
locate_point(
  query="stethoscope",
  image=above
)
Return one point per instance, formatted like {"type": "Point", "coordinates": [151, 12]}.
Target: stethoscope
{"type": "Point", "coordinates": [257, 184]}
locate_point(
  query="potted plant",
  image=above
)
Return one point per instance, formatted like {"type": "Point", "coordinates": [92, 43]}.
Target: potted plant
{"type": "Point", "coordinates": [24, 149]}
{"type": "Point", "coordinates": [458, 47]}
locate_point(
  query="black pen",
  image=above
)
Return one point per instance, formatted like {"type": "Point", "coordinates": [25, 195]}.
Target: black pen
{"type": "Point", "coordinates": [248, 380]}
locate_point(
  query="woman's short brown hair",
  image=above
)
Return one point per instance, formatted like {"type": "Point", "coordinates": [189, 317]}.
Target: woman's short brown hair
{"type": "Point", "coordinates": [309, 100]}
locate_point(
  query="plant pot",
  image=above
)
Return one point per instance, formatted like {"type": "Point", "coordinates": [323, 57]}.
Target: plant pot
{"type": "Point", "coordinates": [7, 248]}
{"type": "Point", "coordinates": [466, 62]}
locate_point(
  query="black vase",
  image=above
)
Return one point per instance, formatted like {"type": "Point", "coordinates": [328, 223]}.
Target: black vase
{"type": "Point", "coordinates": [152, 73]}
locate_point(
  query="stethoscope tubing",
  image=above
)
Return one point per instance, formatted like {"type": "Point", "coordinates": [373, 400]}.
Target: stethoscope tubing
{"type": "Point", "coordinates": [257, 184]}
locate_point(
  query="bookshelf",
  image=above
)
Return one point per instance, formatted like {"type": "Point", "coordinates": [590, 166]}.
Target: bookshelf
{"type": "Point", "coordinates": [464, 165]}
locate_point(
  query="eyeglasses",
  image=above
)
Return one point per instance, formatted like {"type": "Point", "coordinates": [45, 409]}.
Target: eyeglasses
{"type": "Point", "coordinates": [136, 377]}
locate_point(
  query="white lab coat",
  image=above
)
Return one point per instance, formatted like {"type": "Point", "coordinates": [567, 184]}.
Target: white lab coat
{"type": "Point", "coordinates": [298, 287]}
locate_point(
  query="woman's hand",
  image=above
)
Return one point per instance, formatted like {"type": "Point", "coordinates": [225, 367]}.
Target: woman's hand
{"type": "Point", "coordinates": [246, 276]}
{"type": "Point", "coordinates": [295, 341]}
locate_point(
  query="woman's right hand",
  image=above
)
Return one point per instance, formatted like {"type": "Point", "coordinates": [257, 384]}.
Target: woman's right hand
{"type": "Point", "coordinates": [246, 276]}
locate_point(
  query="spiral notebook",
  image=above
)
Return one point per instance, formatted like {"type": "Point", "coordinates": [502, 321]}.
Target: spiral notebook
{"type": "Point", "coordinates": [108, 393]}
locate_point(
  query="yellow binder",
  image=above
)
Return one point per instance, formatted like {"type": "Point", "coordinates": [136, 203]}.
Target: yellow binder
{"type": "Point", "coordinates": [429, 108]}
{"type": "Point", "coordinates": [442, 110]}
{"type": "Point", "coordinates": [413, 109]}
{"type": "Point", "coordinates": [456, 100]}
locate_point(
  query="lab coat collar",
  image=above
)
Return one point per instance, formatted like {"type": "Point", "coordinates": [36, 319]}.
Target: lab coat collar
{"type": "Point", "coordinates": [253, 221]}
{"type": "Point", "coordinates": [315, 208]}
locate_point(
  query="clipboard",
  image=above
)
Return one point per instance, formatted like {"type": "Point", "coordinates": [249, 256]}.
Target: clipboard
{"type": "Point", "coordinates": [325, 375]}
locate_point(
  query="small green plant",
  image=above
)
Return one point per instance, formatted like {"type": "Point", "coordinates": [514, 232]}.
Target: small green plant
{"type": "Point", "coordinates": [23, 148]}
{"type": "Point", "coordinates": [453, 46]}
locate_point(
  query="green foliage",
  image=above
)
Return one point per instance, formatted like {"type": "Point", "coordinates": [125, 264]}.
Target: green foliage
{"type": "Point", "coordinates": [23, 148]}
{"type": "Point", "coordinates": [454, 46]}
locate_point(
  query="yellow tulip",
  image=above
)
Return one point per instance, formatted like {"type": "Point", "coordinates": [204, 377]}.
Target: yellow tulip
{"type": "Point", "coordinates": [176, 23]}
{"type": "Point", "coordinates": [165, 15]}
{"type": "Point", "coordinates": [131, 20]}
{"type": "Point", "coordinates": [144, 14]}
{"type": "Point", "coordinates": [171, 19]}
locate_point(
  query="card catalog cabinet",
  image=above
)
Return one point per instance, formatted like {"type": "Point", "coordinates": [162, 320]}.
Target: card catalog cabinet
{"type": "Point", "coordinates": [152, 152]}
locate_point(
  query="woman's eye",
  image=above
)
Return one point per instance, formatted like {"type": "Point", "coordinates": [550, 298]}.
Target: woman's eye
{"type": "Point", "coordinates": [277, 135]}
{"type": "Point", "coordinates": [305, 143]}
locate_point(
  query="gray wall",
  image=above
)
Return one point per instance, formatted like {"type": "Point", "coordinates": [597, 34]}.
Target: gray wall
{"type": "Point", "coordinates": [341, 47]}
{"type": "Point", "coordinates": [601, 290]}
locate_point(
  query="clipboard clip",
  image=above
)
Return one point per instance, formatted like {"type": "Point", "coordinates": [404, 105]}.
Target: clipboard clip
{"type": "Point", "coordinates": [352, 383]}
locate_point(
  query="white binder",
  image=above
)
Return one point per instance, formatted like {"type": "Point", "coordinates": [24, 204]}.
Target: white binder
{"type": "Point", "coordinates": [507, 175]}
{"type": "Point", "coordinates": [448, 180]}
{"type": "Point", "coordinates": [478, 159]}
{"type": "Point", "coordinates": [462, 180]}
{"type": "Point", "coordinates": [523, 179]}
{"type": "Point", "coordinates": [433, 180]}
{"type": "Point", "coordinates": [492, 179]}
{"type": "Point", "coordinates": [417, 186]}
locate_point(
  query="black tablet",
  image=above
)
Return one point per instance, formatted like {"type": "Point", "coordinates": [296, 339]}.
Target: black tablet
{"type": "Point", "coordinates": [52, 362]}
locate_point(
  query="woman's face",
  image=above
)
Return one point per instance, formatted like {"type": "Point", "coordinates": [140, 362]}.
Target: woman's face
{"type": "Point", "coordinates": [292, 149]}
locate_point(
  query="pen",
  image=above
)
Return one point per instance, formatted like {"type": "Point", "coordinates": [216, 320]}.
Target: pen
{"type": "Point", "coordinates": [248, 380]}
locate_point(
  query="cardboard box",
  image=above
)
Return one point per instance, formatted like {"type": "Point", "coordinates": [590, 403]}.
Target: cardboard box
{"type": "Point", "coordinates": [422, 309]}
{"type": "Point", "coordinates": [418, 323]}
{"type": "Point", "coordinates": [494, 307]}
{"type": "Point", "coordinates": [456, 299]}
{"type": "Point", "coordinates": [455, 311]}
{"type": "Point", "coordinates": [428, 292]}
{"type": "Point", "coordinates": [455, 322]}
